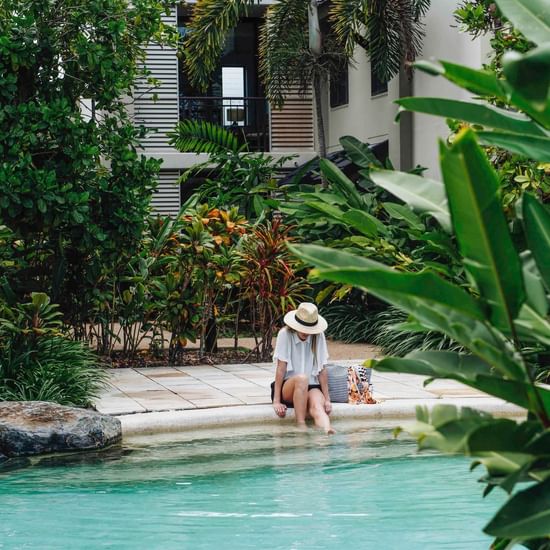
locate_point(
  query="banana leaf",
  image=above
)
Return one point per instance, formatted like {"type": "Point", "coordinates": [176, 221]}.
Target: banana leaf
{"type": "Point", "coordinates": [481, 229]}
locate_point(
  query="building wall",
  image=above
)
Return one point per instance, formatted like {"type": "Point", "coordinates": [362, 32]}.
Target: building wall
{"type": "Point", "coordinates": [369, 119]}
{"type": "Point", "coordinates": [157, 109]}
{"type": "Point", "coordinates": [443, 41]}
{"type": "Point", "coordinates": [372, 119]}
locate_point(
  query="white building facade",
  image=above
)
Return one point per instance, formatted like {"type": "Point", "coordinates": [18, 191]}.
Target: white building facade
{"type": "Point", "coordinates": [356, 105]}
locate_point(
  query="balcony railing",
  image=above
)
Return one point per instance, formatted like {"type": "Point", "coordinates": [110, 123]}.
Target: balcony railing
{"type": "Point", "coordinates": [246, 117]}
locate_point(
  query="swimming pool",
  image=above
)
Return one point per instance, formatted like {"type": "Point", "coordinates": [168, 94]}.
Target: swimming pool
{"type": "Point", "coordinates": [248, 489]}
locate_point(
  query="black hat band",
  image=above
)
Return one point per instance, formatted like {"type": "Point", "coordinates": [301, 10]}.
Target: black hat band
{"type": "Point", "coordinates": [305, 323]}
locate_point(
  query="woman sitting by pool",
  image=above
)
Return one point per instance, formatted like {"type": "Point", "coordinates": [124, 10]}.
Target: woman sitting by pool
{"type": "Point", "coordinates": [301, 379]}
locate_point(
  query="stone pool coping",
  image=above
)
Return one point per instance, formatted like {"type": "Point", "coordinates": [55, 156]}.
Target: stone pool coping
{"type": "Point", "coordinates": [178, 399]}
{"type": "Point", "coordinates": [182, 421]}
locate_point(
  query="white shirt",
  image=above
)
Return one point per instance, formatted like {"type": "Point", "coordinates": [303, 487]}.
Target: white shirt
{"type": "Point", "coordinates": [298, 354]}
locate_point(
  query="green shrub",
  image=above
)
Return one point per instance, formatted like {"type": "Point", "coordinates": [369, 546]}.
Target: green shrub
{"type": "Point", "coordinates": [39, 363]}
{"type": "Point", "coordinates": [350, 323]}
{"type": "Point", "coordinates": [389, 331]}
{"type": "Point", "coordinates": [502, 318]}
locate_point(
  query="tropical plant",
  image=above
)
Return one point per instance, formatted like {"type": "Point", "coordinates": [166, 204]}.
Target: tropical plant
{"type": "Point", "coordinates": [361, 217]}
{"type": "Point", "coordinates": [75, 192]}
{"type": "Point", "coordinates": [392, 331]}
{"type": "Point", "coordinates": [502, 321]}
{"type": "Point", "coordinates": [517, 172]}
{"type": "Point", "coordinates": [269, 285]}
{"type": "Point", "coordinates": [234, 177]}
{"type": "Point", "coordinates": [39, 362]}
{"type": "Point", "coordinates": [293, 50]}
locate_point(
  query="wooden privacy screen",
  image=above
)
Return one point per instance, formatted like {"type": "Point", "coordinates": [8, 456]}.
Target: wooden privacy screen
{"type": "Point", "coordinates": [292, 125]}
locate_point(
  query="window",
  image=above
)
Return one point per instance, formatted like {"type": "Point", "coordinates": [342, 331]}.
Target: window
{"type": "Point", "coordinates": [339, 88]}
{"type": "Point", "coordinates": [381, 151]}
{"type": "Point", "coordinates": [377, 86]}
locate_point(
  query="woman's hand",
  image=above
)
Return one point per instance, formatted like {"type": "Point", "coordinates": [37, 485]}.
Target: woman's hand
{"type": "Point", "coordinates": [279, 408]}
{"type": "Point", "coordinates": [328, 406]}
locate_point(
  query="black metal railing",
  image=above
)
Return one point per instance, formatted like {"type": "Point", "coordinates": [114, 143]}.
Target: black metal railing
{"type": "Point", "coordinates": [246, 117]}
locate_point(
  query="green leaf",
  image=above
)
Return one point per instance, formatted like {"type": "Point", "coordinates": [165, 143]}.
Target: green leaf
{"type": "Point", "coordinates": [41, 205]}
{"type": "Point", "coordinates": [406, 287]}
{"type": "Point", "coordinates": [446, 428]}
{"type": "Point", "coordinates": [361, 221]}
{"type": "Point", "coordinates": [467, 369]}
{"type": "Point", "coordinates": [400, 212]}
{"type": "Point", "coordinates": [525, 515]}
{"type": "Point", "coordinates": [434, 302]}
{"type": "Point", "coordinates": [199, 136]}
{"type": "Point", "coordinates": [534, 287]}
{"type": "Point", "coordinates": [441, 364]}
{"type": "Point", "coordinates": [536, 221]}
{"type": "Point", "coordinates": [341, 182]}
{"type": "Point", "coordinates": [329, 210]}
{"type": "Point", "coordinates": [532, 326]}
{"type": "Point", "coordinates": [474, 113]}
{"type": "Point", "coordinates": [476, 81]}
{"type": "Point", "coordinates": [531, 17]}
{"type": "Point", "coordinates": [537, 148]}
{"type": "Point", "coordinates": [481, 229]}
{"type": "Point", "coordinates": [330, 198]}
{"type": "Point", "coordinates": [360, 153]}
{"type": "Point", "coordinates": [529, 75]}
{"type": "Point", "coordinates": [39, 299]}
{"type": "Point", "coordinates": [421, 194]}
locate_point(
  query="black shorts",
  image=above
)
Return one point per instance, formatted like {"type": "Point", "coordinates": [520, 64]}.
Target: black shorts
{"type": "Point", "coordinates": [289, 403]}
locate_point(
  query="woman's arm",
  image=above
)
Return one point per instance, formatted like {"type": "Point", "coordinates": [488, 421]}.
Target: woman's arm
{"type": "Point", "coordinates": [280, 372]}
{"type": "Point", "coordinates": [323, 381]}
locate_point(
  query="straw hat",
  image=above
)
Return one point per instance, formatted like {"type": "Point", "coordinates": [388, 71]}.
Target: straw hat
{"type": "Point", "coordinates": [306, 319]}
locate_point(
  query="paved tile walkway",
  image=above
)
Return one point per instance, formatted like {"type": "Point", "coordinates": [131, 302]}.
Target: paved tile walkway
{"type": "Point", "coordinates": [203, 387]}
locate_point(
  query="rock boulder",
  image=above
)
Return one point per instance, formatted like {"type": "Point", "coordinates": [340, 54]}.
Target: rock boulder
{"type": "Point", "coordinates": [37, 427]}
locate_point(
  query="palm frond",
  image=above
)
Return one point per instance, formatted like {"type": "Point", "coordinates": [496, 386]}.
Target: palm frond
{"type": "Point", "coordinates": [211, 20]}
{"type": "Point", "coordinates": [286, 62]}
{"type": "Point", "coordinates": [199, 136]}
{"type": "Point", "coordinates": [348, 18]}
{"type": "Point", "coordinates": [283, 48]}
{"type": "Point", "coordinates": [390, 31]}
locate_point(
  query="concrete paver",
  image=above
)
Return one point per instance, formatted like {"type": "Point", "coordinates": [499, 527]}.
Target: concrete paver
{"type": "Point", "coordinates": [182, 388]}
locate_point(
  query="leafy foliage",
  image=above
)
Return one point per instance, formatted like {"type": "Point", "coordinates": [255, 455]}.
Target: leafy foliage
{"type": "Point", "coordinates": [39, 362]}
{"type": "Point", "coordinates": [200, 136]}
{"type": "Point", "coordinates": [397, 336]}
{"type": "Point", "coordinates": [502, 322]}
{"type": "Point", "coordinates": [270, 285]}
{"type": "Point", "coordinates": [233, 178]}
{"type": "Point", "coordinates": [75, 193]}
{"type": "Point", "coordinates": [389, 31]}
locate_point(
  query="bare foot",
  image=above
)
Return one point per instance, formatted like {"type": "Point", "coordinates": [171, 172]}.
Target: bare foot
{"type": "Point", "coordinates": [301, 427]}
{"type": "Point", "coordinates": [331, 431]}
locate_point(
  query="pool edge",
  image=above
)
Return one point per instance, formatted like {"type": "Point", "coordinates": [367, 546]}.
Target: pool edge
{"type": "Point", "coordinates": [185, 420]}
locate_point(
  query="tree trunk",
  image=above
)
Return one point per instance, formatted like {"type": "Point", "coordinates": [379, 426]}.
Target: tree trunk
{"type": "Point", "coordinates": [316, 48]}
{"type": "Point", "coordinates": [319, 118]}
{"type": "Point", "coordinates": [406, 138]}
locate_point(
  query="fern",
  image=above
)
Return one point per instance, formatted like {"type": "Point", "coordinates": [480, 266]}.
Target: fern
{"type": "Point", "coordinates": [199, 136]}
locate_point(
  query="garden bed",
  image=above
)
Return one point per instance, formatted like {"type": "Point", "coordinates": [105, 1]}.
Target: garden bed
{"type": "Point", "coordinates": [189, 357]}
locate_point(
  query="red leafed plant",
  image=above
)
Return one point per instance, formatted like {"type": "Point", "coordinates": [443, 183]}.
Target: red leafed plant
{"type": "Point", "coordinates": [270, 285]}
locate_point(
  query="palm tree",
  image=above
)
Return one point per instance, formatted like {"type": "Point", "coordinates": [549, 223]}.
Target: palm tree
{"type": "Point", "coordinates": [294, 51]}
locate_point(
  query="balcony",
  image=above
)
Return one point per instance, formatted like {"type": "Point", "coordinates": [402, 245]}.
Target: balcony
{"type": "Point", "coordinates": [246, 117]}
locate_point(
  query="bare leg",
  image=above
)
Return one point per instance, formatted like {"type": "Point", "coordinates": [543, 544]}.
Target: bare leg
{"type": "Point", "coordinates": [295, 390]}
{"type": "Point", "coordinates": [316, 409]}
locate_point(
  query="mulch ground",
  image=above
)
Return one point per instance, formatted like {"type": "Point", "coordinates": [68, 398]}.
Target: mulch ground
{"type": "Point", "coordinates": [224, 356]}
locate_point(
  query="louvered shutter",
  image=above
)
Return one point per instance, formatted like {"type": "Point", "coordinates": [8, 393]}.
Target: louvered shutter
{"type": "Point", "coordinates": [292, 125]}
{"type": "Point", "coordinates": [166, 199]}
{"type": "Point", "coordinates": [157, 109]}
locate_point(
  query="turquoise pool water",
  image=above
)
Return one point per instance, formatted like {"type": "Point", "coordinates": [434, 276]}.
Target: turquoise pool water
{"type": "Point", "coordinates": [358, 489]}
